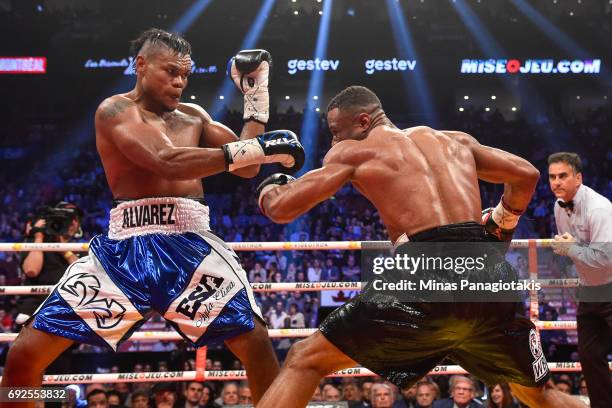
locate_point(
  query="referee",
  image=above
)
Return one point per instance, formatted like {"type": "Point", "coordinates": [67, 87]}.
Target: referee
{"type": "Point", "coordinates": [584, 222]}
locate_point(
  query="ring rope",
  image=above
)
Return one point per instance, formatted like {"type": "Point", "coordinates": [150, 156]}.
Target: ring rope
{"type": "Point", "coordinates": [282, 333]}
{"type": "Point", "coordinates": [253, 246]}
{"type": "Point", "coordinates": [233, 375]}
{"type": "Point", "coordinates": [281, 286]}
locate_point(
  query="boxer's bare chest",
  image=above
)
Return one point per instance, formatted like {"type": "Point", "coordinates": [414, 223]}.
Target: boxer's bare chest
{"type": "Point", "coordinates": [182, 129]}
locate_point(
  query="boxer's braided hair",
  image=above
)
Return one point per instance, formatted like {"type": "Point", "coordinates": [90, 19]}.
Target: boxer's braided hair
{"type": "Point", "coordinates": [155, 37]}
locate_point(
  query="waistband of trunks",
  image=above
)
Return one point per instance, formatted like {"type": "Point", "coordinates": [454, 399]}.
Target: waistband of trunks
{"type": "Point", "coordinates": [461, 232]}
{"type": "Point", "coordinates": [157, 215]}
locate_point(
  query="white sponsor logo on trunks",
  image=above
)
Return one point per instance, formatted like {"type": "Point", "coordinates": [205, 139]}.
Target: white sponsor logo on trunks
{"type": "Point", "coordinates": [212, 286]}
{"type": "Point", "coordinates": [540, 366]}
{"type": "Point", "coordinates": [95, 298]}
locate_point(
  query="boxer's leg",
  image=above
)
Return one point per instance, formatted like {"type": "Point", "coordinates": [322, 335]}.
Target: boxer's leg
{"type": "Point", "coordinates": [541, 397]}
{"type": "Point", "coordinates": [308, 361]}
{"type": "Point", "coordinates": [28, 357]}
{"type": "Point", "coordinates": [255, 351]}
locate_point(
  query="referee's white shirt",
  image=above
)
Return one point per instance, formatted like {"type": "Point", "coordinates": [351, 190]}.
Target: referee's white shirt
{"type": "Point", "coordinates": [590, 223]}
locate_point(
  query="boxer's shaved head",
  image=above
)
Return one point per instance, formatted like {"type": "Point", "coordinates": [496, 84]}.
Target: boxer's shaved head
{"type": "Point", "coordinates": [153, 40]}
{"type": "Point", "coordinates": [355, 99]}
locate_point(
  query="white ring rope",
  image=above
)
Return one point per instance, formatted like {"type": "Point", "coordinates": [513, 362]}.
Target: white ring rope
{"type": "Point", "coordinates": [233, 375]}
{"type": "Point", "coordinates": [282, 333]}
{"type": "Point", "coordinates": [281, 287]}
{"type": "Point", "coordinates": [253, 246]}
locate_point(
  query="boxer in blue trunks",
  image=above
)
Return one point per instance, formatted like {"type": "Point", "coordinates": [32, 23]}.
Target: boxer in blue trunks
{"type": "Point", "coordinates": [159, 254]}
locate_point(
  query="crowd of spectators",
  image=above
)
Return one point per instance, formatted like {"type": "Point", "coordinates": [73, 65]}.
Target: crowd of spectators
{"type": "Point", "coordinates": [430, 392]}
{"type": "Point", "coordinates": [348, 216]}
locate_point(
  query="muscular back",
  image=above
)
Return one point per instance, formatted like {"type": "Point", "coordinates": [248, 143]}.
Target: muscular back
{"type": "Point", "coordinates": [417, 178]}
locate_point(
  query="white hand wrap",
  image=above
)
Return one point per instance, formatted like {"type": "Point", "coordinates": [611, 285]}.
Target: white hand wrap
{"type": "Point", "coordinates": [504, 218]}
{"type": "Point", "coordinates": [245, 153]}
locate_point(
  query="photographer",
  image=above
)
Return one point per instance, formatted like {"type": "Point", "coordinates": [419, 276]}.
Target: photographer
{"type": "Point", "coordinates": [61, 224]}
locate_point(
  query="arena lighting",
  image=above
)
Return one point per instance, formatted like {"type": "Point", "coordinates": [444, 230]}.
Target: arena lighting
{"type": "Point", "coordinates": [492, 49]}
{"type": "Point", "coordinates": [189, 16]}
{"type": "Point", "coordinates": [514, 109]}
{"type": "Point", "coordinates": [466, 97]}
{"type": "Point", "coordinates": [554, 34]}
{"type": "Point", "coordinates": [309, 131]}
{"type": "Point", "coordinates": [487, 109]}
{"type": "Point", "coordinates": [192, 97]}
{"type": "Point", "coordinates": [228, 88]}
{"type": "Point", "coordinates": [493, 97]}
{"type": "Point", "coordinates": [416, 80]}
{"type": "Point", "coordinates": [461, 109]}
{"type": "Point", "coordinates": [287, 97]}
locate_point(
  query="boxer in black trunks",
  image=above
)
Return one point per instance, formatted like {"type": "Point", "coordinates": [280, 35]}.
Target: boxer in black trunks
{"type": "Point", "coordinates": [424, 184]}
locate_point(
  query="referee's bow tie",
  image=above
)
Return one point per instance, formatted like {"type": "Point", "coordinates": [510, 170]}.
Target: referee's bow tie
{"type": "Point", "coordinates": [567, 204]}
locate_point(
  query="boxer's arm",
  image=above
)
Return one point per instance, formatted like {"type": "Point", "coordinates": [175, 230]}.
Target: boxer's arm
{"type": "Point", "coordinates": [519, 177]}
{"type": "Point", "coordinates": [285, 203]}
{"type": "Point", "coordinates": [216, 134]}
{"type": "Point", "coordinates": [118, 120]}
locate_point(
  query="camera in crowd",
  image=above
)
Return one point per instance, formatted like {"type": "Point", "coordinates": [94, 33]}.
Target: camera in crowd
{"type": "Point", "coordinates": [57, 219]}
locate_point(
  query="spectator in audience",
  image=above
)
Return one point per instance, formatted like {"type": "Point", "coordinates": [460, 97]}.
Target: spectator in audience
{"type": "Point", "coordinates": [193, 394]}
{"type": "Point", "coordinates": [295, 319]}
{"type": "Point", "coordinates": [208, 396]}
{"type": "Point", "coordinates": [298, 299]}
{"type": "Point", "coordinates": [314, 271]}
{"type": "Point", "coordinates": [582, 387]}
{"type": "Point", "coordinates": [317, 395]}
{"type": "Point", "coordinates": [164, 394]}
{"type": "Point", "coordinates": [351, 272]}
{"type": "Point", "coordinates": [97, 399]}
{"type": "Point", "coordinates": [46, 268]}
{"type": "Point", "coordinates": [330, 271]}
{"type": "Point", "coordinates": [277, 316]}
{"type": "Point", "coordinates": [139, 399]}
{"type": "Point", "coordinates": [229, 394]}
{"type": "Point", "coordinates": [114, 399]}
{"type": "Point", "coordinates": [350, 392]}
{"type": "Point", "coordinates": [74, 397]}
{"type": "Point", "coordinates": [462, 391]}
{"type": "Point", "coordinates": [382, 396]}
{"type": "Point", "coordinates": [258, 274]}
{"type": "Point", "coordinates": [501, 397]}
{"type": "Point", "coordinates": [244, 393]}
{"type": "Point", "coordinates": [408, 397]}
{"type": "Point", "coordinates": [291, 272]}
{"type": "Point", "coordinates": [426, 393]}
{"type": "Point", "coordinates": [330, 393]}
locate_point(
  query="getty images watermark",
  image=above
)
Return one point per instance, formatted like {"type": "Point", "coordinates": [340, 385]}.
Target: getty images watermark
{"type": "Point", "coordinates": [445, 272]}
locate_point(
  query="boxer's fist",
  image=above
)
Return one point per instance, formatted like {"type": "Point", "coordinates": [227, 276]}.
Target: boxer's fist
{"type": "Point", "coordinates": [250, 71]}
{"type": "Point", "coordinates": [277, 179]}
{"type": "Point", "coordinates": [493, 229]}
{"type": "Point", "coordinates": [279, 146]}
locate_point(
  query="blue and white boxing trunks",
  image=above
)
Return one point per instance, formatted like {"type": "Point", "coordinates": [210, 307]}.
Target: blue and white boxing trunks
{"type": "Point", "coordinates": [158, 255]}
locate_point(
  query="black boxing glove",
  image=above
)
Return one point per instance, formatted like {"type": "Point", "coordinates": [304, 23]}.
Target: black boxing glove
{"type": "Point", "coordinates": [277, 179]}
{"type": "Point", "coordinates": [500, 222]}
{"type": "Point", "coordinates": [278, 146]}
{"type": "Point", "coordinates": [250, 71]}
